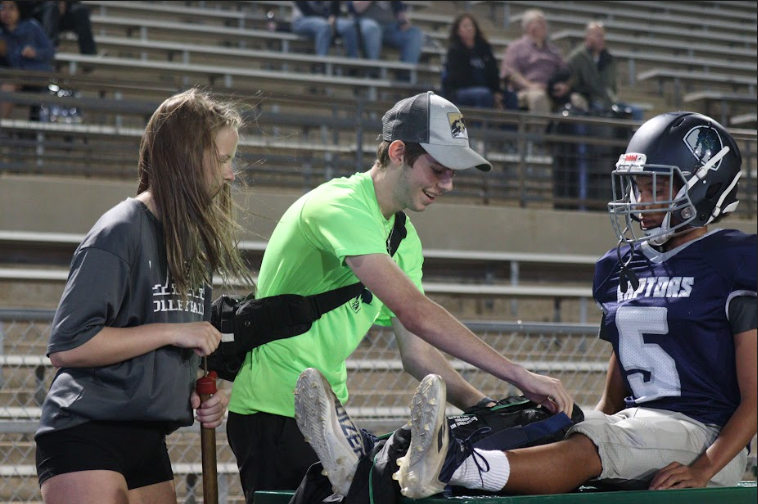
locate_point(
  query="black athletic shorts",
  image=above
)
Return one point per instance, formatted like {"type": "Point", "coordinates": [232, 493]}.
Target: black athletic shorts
{"type": "Point", "coordinates": [137, 450]}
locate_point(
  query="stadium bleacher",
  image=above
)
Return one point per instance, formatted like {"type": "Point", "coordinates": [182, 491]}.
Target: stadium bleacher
{"type": "Point", "coordinates": [727, 103]}
{"type": "Point", "coordinates": [313, 118]}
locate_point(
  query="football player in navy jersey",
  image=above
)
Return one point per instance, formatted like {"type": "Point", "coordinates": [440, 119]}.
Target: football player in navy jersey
{"type": "Point", "coordinates": [679, 307]}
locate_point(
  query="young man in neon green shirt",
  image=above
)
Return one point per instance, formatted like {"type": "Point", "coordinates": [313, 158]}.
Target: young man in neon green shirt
{"type": "Point", "coordinates": [337, 235]}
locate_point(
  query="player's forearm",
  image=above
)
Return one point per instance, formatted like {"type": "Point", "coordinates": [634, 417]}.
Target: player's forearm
{"type": "Point", "coordinates": [116, 344]}
{"type": "Point", "coordinates": [733, 438]}
{"type": "Point", "coordinates": [741, 427]}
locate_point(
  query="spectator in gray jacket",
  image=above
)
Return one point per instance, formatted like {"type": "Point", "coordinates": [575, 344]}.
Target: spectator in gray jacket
{"type": "Point", "coordinates": [594, 73]}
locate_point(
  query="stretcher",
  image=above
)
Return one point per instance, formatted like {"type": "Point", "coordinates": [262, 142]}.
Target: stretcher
{"type": "Point", "coordinates": [745, 493]}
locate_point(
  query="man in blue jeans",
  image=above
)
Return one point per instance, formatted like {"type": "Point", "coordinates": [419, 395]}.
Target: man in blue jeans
{"type": "Point", "coordinates": [321, 22]}
{"type": "Point", "coordinates": [385, 23]}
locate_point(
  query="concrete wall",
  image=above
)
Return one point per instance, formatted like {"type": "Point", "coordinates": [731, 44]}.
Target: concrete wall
{"type": "Point", "coordinates": [67, 205]}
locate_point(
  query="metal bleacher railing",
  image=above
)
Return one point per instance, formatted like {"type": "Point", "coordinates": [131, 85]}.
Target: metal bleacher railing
{"type": "Point", "coordinates": [298, 142]}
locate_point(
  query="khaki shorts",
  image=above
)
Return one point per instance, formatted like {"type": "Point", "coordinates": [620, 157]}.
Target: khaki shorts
{"type": "Point", "coordinates": [635, 443]}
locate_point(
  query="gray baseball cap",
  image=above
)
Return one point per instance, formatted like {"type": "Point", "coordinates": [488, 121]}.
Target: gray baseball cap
{"type": "Point", "coordinates": [437, 125]}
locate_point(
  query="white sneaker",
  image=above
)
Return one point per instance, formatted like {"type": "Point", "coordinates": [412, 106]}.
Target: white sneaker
{"type": "Point", "coordinates": [327, 427]}
{"type": "Point", "coordinates": [419, 474]}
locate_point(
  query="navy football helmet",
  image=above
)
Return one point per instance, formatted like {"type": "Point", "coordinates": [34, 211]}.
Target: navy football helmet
{"type": "Point", "coordinates": [701, 163]}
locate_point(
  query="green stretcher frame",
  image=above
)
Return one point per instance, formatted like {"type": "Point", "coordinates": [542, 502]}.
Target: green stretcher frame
{"type": "Point", "coordinates": [745, 493]}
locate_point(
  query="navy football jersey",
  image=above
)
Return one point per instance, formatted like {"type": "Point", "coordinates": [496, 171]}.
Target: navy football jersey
{"type": "Point", "coordinates": [671, 335]}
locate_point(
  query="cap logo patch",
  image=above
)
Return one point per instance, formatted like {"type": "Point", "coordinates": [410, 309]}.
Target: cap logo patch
{"type": "Point", "coordinates": [457, 126]}
{"type": "Point", "coordinates": [704, 143]}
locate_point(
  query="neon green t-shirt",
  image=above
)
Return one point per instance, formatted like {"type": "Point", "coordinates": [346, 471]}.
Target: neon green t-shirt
{"type": "Point", "coordinates": [306, 256]}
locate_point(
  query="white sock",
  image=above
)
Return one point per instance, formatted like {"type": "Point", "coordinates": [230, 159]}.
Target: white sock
{"type": "Point", "coordinates": [468, 475]}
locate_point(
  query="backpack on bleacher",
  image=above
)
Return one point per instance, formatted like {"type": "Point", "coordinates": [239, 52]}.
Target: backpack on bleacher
{"type": "Point", "coordinates": [61, 113]}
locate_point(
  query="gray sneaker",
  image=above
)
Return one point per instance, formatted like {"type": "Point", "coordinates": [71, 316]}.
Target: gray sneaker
{"type": "Point", "coordinates": [327, 427]}
{"type": "Point", "coordinates": [419, 474]}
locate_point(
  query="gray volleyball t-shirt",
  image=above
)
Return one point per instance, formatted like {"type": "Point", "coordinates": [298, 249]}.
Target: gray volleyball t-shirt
{"type": "Point", "coordinates": [119, 278]}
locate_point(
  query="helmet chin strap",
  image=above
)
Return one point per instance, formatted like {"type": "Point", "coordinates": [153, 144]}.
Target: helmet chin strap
{"type": "Point", "coordinates": [626, 276]}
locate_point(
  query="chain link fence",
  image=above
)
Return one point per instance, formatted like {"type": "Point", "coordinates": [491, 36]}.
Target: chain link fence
{"type": "Point", "coordinates": [380, 392]}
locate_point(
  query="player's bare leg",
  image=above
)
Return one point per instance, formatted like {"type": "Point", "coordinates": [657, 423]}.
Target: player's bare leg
{"type": "Point", "coordinates": [553, 468]}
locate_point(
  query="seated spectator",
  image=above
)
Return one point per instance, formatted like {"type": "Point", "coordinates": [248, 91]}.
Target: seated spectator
{"type": "Point", "coordinates": [321, 21]}
{"type": "Point", "coordinates": [531, 62]}
{"type": "Point", "coordinates": [59, 17]}
{"type": "Point", "coordinates": [385, 23]}
{"type": "Point", "coordinates": [594, 72]}
{"type": "Point", "coordinates": [471, 75]}
{"type": "Point", "coordinates": [27, 47]}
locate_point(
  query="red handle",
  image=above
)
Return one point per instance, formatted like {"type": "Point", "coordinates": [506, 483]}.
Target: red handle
{"type": "Point", "coordinates": [206, 385]}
